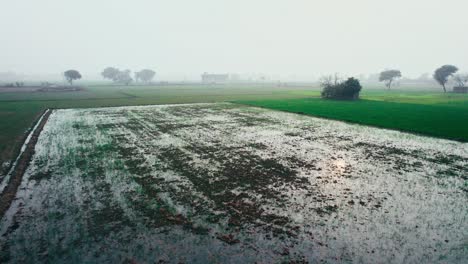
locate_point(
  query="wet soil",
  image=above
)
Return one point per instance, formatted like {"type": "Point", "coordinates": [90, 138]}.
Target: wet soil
{"type": "Point", "coordinates": [227, 183]}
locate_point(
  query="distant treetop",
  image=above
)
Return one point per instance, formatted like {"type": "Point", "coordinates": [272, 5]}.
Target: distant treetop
{"type": "Point", "coordinates": [442, 74]}
{"type": "Point", "coordinates": [335, 88]}
{"type": "Point", "coordinates": [72, 75]}
{"type": "Point", "coordinates": [110, 73]}
{"type": "Point", "coordinates": [117, 75]}
{"type": "Point", "coordinates": [145, 75]}
{"type": "Point", "coordinates": [388, 76]}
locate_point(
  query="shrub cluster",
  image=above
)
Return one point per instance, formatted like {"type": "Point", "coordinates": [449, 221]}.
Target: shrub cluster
{"type": "Point", "coordinates": [15, 84]}
{"type": "Point", "coordinates": [348, 90]}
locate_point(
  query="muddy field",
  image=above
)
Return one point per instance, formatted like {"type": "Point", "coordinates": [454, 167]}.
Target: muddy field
{"type": "Point", "coordinates": [228, 183]}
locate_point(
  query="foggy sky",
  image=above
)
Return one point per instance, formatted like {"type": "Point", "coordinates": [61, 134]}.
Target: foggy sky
{"type": "Point", "coordinates": [183, 38]}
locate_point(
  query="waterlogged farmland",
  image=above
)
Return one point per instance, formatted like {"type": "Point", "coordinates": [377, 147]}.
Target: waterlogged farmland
{"type": "Point", "coordinates": [230, 183]}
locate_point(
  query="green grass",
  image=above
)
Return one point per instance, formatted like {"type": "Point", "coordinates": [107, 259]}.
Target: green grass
{"type": "Point", "coordinates": [437, 115]}
{"type": "Point", "coordinates": [427, 98]}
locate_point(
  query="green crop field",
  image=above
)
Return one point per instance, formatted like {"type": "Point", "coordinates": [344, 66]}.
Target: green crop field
{"type": "Point", "coordinates": [433, 114]}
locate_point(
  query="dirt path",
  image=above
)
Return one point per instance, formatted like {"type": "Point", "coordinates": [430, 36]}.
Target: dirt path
{"type": "Point", "coordinates": [9, 192]}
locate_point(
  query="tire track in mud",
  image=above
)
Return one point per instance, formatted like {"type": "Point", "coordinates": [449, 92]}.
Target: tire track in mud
{"type": "Point", "coordinates": [9, 193]}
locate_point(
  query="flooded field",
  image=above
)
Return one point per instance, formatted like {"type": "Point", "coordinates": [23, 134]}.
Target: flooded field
{"type": "Point", "coordinates": [210, 183]}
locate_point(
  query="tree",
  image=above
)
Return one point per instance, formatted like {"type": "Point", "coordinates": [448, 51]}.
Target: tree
{"type": "Point", "coordinates": [124, 77]}
{"type": "Point", "coordinates": [117, 75]}
{"type": "Point", "coordinates": [329, 80]}
{"type": "Point", "coordinates": [461, 79]}
{"type": "Point", "coordinates": [388, 76]}
{"type": "Point", "coordinates": [145, 75]}
{"type": "Point", "coordinates": [442, 74]}
{"type": "Point", "coordinates": [351, 88]}
{"type": "Point", "coordinates": [72, 75]}
{"type": "Point", "coordinates": [336, 89]}
{"type": "Point", "coordinates": [110, 73]}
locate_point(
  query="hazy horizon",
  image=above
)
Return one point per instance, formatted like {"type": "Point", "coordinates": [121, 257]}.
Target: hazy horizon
{"type": "Point", "coordinates": [295, 39]}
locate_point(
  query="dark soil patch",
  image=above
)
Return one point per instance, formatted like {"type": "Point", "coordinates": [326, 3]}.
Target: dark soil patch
{"type": "Point", "coordinates": [10, 190]}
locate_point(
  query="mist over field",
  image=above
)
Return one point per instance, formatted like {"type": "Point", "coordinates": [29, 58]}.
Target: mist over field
{"type": "Point", "coordinates": [296, 40]}
{"type": "Point", "coordinates": [233, 131]}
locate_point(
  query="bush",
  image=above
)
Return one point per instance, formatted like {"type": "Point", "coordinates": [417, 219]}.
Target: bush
{"type": "Point", "coordinates": [347, 90]}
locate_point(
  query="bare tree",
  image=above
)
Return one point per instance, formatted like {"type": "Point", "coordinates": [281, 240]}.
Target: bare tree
{"type": "Point", "coordinates": [461, 79]}
{"type": "Point", "coordinates": [328, 80]}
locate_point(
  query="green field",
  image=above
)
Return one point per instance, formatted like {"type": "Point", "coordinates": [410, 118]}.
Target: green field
{"type": "Point", "coordinates": [430, 113]}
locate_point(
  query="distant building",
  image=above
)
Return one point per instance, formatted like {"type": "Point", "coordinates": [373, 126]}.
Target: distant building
{"type": "Point", "coordinates": [215, 78]}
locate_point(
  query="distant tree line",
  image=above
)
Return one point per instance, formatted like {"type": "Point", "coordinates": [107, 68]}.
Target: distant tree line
{"type": "Point", "coordinates": [116, 75]}
{"type": "Point", "coordinates": [15, 84]}
{"type": "Point", "coordinates": [333, 86]}
{"type": "Point", "coordinates": [125, 77]}
{"type": "Point", "coordinates": [441, 75]}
